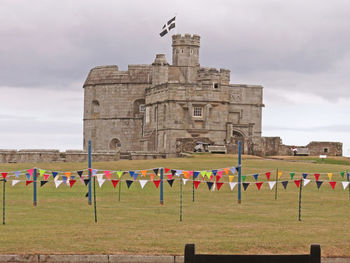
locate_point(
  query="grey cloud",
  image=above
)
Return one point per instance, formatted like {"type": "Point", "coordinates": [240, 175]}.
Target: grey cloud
{"type": "Point", "coordinates": [327, 128]}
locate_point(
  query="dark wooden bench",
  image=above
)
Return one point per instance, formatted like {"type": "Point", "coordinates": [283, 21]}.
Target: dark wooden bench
{"type": "Point", "coordinates": [192, 257]}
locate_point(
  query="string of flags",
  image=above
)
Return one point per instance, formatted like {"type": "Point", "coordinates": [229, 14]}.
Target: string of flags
{"type": "Point", "coordinates": [209, 177]}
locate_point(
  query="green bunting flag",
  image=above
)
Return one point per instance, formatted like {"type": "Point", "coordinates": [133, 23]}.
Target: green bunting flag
{"type": "Point", "coordinates": [291, 175]}
{"type": "Point", "coordinates": [243, 178]}
{"type": "Point", "coordinates": [342, 174]}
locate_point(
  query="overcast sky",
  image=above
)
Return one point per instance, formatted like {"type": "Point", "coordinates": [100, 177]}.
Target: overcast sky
{"type": "Point", "coordinates": [298, 50]}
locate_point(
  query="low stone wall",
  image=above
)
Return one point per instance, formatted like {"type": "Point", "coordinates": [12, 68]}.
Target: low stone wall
{"type": "Point", "coordinates": [147, 155]}
{"type": "Point", "coordinates": [40, 155]}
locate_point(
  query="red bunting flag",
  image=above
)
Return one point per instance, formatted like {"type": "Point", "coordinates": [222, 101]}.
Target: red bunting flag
{"type": "Point", "coordinates": [196, 183]}
{"type": "Point", "coordinates": [219, 185]}
{"type": "Point", "coordinates": [317, 176]}
{"type": "Point", "coordinates": [72, 182]}
{"type": "Point", "coordinates": [156, 183]}
{"type": "Point", "coordinates": [211, 178]}
{"type": "Point", "coordinates": [166, 170]}
{"type": "Point", "coordinates": [258, 185]}
{"type": "Point", "coordinates": [332, 184]}
{"type": "Point", "coordinates": [268, 174]}
{"type": "Point", "coordinates": [46, 176]}
{"type": "Point", "coordinates": [170, 176]}
{"type": "Point", "coordinates": [4, 175]}
{"type": "Point", "coordinates": [297, 182]}
{"type": "Point", "coordinates": [218, 177]}
{"type": "Point", "coordinates": [115, 182]}
{"type": "Point", "coordinates": [29, 182]}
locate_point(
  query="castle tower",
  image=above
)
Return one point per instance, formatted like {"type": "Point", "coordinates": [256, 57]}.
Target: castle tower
{"type": "Point", "coordinates": [159, 70]}
{"type": "Point", "coordinates": [186, 50]}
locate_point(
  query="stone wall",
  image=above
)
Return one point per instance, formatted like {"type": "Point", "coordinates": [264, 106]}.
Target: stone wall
{"type": "Point", "coordinates": [38, 155]}
{"type": "Point", "coordinates": [325, 148]}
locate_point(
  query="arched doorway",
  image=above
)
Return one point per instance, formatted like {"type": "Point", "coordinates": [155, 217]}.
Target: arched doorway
{"type": "Point", "coordinates": [114, 144]}
{"type": "Point", "coordinates": [235, 138]}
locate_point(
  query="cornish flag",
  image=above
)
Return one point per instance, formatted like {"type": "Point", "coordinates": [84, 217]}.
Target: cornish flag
{"type": "Point", "coordinates": [168, 26]}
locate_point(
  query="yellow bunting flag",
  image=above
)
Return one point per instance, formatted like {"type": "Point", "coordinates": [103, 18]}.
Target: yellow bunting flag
{"type": "Point", "coordinates": [68, 174]}
{"type": "Point", "coordinates": [330, 176]}
{"type": "Point", "coordinates": [41, 172]}
{"type": "Point", "coordinates": [144, 172]}
{"type": "Point", "coordinates": [203, 173]}
{"type": "Point", "coordinates": [226, 170]}
{"type": "Point", "coordinates": [208, 174]}
{"type": "Point", "coordinates": [152, 176]}
{"type": "Point", "coordinates": [230, 178]}
{"type": "Point", "coordinates": [119, 173]}
{"type": "Point", "coordinates": [279, 174]}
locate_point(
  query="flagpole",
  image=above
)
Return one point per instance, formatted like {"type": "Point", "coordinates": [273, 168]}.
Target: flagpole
{"type": "Point", "coordinates": [193, 187]}
{"type": "Point", "coordinates": [89, 166]}
{"type": "Point", "coordinates": [180, 199]}
{"type": "Point", "coordinates": [34, 187]}
{"type": "Point", "coordinates": [120, 182]}
{"type": "Point", "coordinates": [300, 190]}
{"type": "Point", "coordinates": [3, 201]}
{"type": "Point", "coordinates": [95, 199]}
{"type": "Point", "coordinates": [276, 184]}
{"type": "Point", "coordinates": [161, 187]}
{"type": "Point", "coordinates": [239, 171]}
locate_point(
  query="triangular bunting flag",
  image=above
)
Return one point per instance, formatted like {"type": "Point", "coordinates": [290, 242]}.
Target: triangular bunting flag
{"type": "Point", "coordinates": [58, 182]}
{"type": "Point", "coordinates": [184, 180]}
{"type": "Point", "coordinates": [306, 181]}
{"type": "Point", "coordinates": [64, 178]}
{"type": "Point", "coordinates": [170, 182]}
{"type": "Point", "coordinates": [135, 176]}
{"type": "Point", "coordinates": [330, 176]}
{"type": "Point", "coordinates": [14, 182]}
{"type": "Point", "coordinates": [230, 178]}
{"type": "Point", "coordinates": [243, 178]}
{"type": "Point", "coordinates": [170, 176]}
{"type": "Point", "coordinates": [214, 186]}
{"type": "Point", "coordinates": [297, 182]}
{"type": "Point", "coordinates": [178, 172]}
{"type": "Point", "coordinates": [285, 183]}
{"type": "Point", "coordinates": [131, 173]}
{"type": "Point", "coordinates": [144, 173]}
{"type": "Point", "coordinates": [220, 173]}
{"type": "Point", "coordinates": [29, 182]}
{"type": "Point", "coordinates": [119, 173]}
{"type": "Point", "coordinates": [256, 177]}
{"type": "Point", "coordinates": [208, 174]}
{"type": "Point", "coordinates": [233, 170]}
{"type": "Point", "coordinates": [54, 174]}
{"type": "Point", "coordinates": [156, 183]}
{"type": "Point", "coordinates": [317, 176]}
{"type": "Point", "coordinates": [218, 177]}
{"type": "Point", "coordinates": [203, 173]}
{"type": "Point", "coordinates": [209, 184]}
{"type": "Point", "coordinates": [305, 175]}
{"type": "Point", "coordinates": [152, 176]}
{"type": "Point", "coordinates": [80, 173]}
{"type": "Point", "coordinates": [30, 171]}
{"type": "Point", "coordinates": [319, 183]}
{"type": "Point", "coordinates": [345, 184]}
{"type": "Point", "coordinates": [68, 174]}
{"type": "Point", "coordinates": [342, 174]}
{"type": "Point", "coordinates": [333, 184]}
{"type": "Point", "coordinates": [41, 172]}
{"type": "Point", "coordinates": [258, 185]}
{"type": "Point", "coordinates": [226, 170]}
{"type": "Point", "coordinates": [245, 186]}
{"type": "Point", "coordinates": [142, 183]}
{"type": "Point", "coordinates": [100, 181]}
{"type": "Point", "coordinates": [166, 170]}
{"type": "Point", "coordinates": [214, 172]}
{"type": "Point", "coordinates": [232, 185]}
{"type": "Point", "coordinates": [348, 176]}
{"type": "Point", "coordinates": [17, 174]}
{"type": "Point", "coordinates": [173, 172]}
{"type": "Point", "coordinates": [108, 174]}
{"type": "Point", "coordinates": [291, 175]}
{"type": "Point", "coordinates": [86, 181]}
{"type": "Point", "coordinates": [195, 174]}
{"type": "Point", "coordinates": [219, 184]}
{"type": "Point", "coordinates": [71, 183]}
{"type": "Point", "coordinates": [4, 175]}
{"type": "Point", "coordinates": [46, 176]}
{"type": "Point", "coordinates": [156, 170]}
{"type": "Point", "coordinates": [279, 174]}
{"type": "Point", "coordinates": [114, 182]}
{"type": "Point", "coordinates": [42, 183]}
{"type": "Point", "coordinates": [128, 183]}
{"type": "Point", "coordinates": [196, 184]}
{"type": "Point", "coordinates": [28, 176]}
{"type": "Point", "coordinates": [94, 172]}
{"type": "Point", "coordinates": [272, 184]}
{"type": "Point", "coordinates": [186, 174]}
{"type": "Point", "coordinates": [268, 174]}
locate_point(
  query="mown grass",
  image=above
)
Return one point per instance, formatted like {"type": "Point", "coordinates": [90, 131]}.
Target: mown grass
{"type": "Point", "coordinates": [63, 222]}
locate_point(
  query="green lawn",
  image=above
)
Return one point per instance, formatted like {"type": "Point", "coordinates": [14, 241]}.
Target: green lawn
{"type": "Point", "coordinates": [63, 222]}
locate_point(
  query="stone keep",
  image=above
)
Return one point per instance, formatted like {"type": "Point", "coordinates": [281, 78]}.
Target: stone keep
{"type": "Point", "coordinates": [154, 108]}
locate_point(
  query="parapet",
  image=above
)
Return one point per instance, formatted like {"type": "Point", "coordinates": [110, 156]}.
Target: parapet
{"type": "Point", "coordinates": [160, 60]}
{"type": "Point", "coordinates": [187, 39]}
{"type": "Point", "coordinates": [213, 74]}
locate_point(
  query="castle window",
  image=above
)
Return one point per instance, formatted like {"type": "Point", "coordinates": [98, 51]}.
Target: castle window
{"type": "Point", "coordinates": [142, 108]}
{"type": "Point", "coordinates": [114, 144]}
{"type": "Point", "coordinates": [197, 111]}
{"type": "Point", "coordinates": [182, 51]}
{"type": "Point", "coordinates": [215, 85]}
{"type": "Point", "coordinates": [191, 51]}
{"type": "Point", "coordinates": [95, 106]}
{"type": "Point", "coordinates": [325, 150]}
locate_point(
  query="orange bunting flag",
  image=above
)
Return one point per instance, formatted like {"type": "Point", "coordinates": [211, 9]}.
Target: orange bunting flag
{"type": "Point", "coordinates": [196, 183]}
{"type": "Point", "coordinates": [330, 176]}
{"type": "Point", "coordinates": [108, 174]}
{"type": "Point", "coordinates": [68, 174]}
{"type": "Point", "coordinates": [4, 175]}
{"type": "Point", "coordinates": [219, 184]}
{"type": "Point", "coordinates": [268, 174]}
{"type": "Point", "coordinates": [115, 182]}
{"type": "Point", "coordinates": [72, 182]}
{"type": "Point", "coordinates": [279, 174]}
{"type": "Point", "coordinates": [166, 170]}
{"type": "Point", "coordinates": [144, 173]}
{"type": "Point", "coordinates": [226, 170]}
{"type": "Point", "coordinates": [297, 182]}
{"type": "Point", "coordinates": [187, 174]}
{"type": "Point", "coordinates": [258, 185]}
{"type": "Point", "coordinates": [230, 178]}
{"type": "Point", "coordinates": [152, 176]}
{"type": "Point", "coordinates": [29, 182]}
{"type": "Point", "coordinates": [332, 184]}
{"type": "Point", "coordinates": [156, 183]}
{"type": "Point", "coordinates": [170, 176]}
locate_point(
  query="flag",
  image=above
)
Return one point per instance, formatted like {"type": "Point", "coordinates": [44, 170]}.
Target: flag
{"type": "Point", "coordinates": [168, 26]}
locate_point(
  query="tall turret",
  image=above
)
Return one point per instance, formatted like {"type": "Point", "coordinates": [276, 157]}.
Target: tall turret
{"type": "Point", "coordinates": [186, 50]}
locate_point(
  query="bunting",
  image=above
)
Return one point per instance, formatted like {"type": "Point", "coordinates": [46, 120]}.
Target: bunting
{"type": "Point", "coordinates": [58, 183]}
{"type": "Point", "coordinates": [128, 183]}
{"type": "Point", "coordinates": [219, 184]}
{"type": "Point", "coordinates": [144, 173]}
{"type": "Point", "coordinates": [345, 184]}
{"type": "Point", "coordinates": [291, 175]}
{"type": "Point", "coordinates": [4, 175]}
{"type": "Point", "coordinates": [232, 185]}
{"type": "Point", "coordinates": [142, 183]}
{"type": "Point", "coordinates": [272, 184]}
{"type": "Point", "coordinates": [80, 173]}
{"type": "Point", "coordinates": [306, 181]}
{"type": "Point", "coordinates": [230, 178]}
{"type": "Point", "coordinates": [184, 180]}
{"type": "Point", "coordinates": [14, 182]}
{"type": "Point", "coordinates": [196, 184]}
{"type": "Point", "coordinates": [285, 183]}
{"type": "Point", "coordinates": [54, 174]}
{"type": "Point", "coordinates": [297, 182]}
{"type": "Point", "coordinates": [317, 176]}
{"type": "Point", "coordinates": [170, 182]}
{"type": "Point", "coordinates": [268, 174]}
{"type": "Point", "coordinates": [86, 181]}
{"type": "Point", "coordinates": [209, 184]}
{"type": "Point", "coordinates": [319, 183]}
{"type": "Point", "coordinates": [256, 176]}
{"type": "Point", "coordinates": [17, 174]}
{"type": "Point", "coordinates": [29, 182]}
{"type": "Point", "coordinates": [258, 185]}
{"type": "Point", "coordinates": [333, 184]}
{"type": "Point", "coordinates": [245, 186]}
{"type": "Point", "coordinates": [330, 175]}
{"type": "Point", "coordinates": [100, 181]}
{"type": "Point", "coordinates": [305, 175]}
{"type": "Point", "coordinates": [156, 183]}
{"type": "Point", "coordinates": [114, 182]}
{"type": "Point", "coordinates": [71, 183]}
{"type": "Point", "coordinates": [42, 183]}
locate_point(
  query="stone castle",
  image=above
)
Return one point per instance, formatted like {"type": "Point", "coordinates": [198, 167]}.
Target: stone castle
{"type": "Point", "coordinates": [165, 108]}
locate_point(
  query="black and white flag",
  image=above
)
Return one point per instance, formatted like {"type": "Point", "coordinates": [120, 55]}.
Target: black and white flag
{"type": "Point", "coordinates": [168, 26]}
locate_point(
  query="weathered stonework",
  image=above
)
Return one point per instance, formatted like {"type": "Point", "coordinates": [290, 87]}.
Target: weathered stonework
{"type": "Point", "coordinates": [149, 107]}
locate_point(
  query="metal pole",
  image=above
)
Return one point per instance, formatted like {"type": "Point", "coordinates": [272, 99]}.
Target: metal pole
{"type": "Point", "coordinates": [239, 171]}
{"type": "Point", "coordinates": [3, 201]}
{"type": "Point", "coordinates": [89, 164]}
{"type": "Point", "coordinates": [95, 199]}
{"type": "Point", "coordinates": [161, 187]}
{"type": "Point", "coordinates": [300, 190]}
{"type": "Point", "coordinates": [193, 188]}
{"type": "Point", "coordinates": [34, 187]}
{"type": "Point", "coordinates": [347, 174]}
{"type": "Point", "coordinates": [276, 184]}
{"type": "Point", "coordinates": [119, 190]}
{"type": "Point", "coordinates": [180, 200]}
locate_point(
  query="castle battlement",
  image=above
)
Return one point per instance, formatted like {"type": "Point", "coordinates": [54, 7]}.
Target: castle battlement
{"type": "Point", "coordinates": [212, 74]}
{"type": "Point", "coordinates": [187, 39]}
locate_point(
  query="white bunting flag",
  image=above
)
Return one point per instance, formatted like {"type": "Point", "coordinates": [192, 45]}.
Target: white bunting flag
{"type": "Point", "coordinates": [82, 180]}
{"type": "Point", "coordinates": [14, 182]}
{"type": "Point", "coordinates": [272, 184]}
{"type": "Point", "coordinates": [345, 184]}
{"type": "Point", "coordinates": [100, 181]}
{"type": "Point", "coordinates": [143, 183]}
{"type": "Point", "coordinates": [184, 180]}
{"type": "Point", "coordinates": [99, 176]}
{"type": "Point", "coordinates": [213, 189]}
{"type": "Point", "coordinates": [232, 185]}
{"type": "Point", "coordinates": [306, 181]}
{"type": "Point", "coordinates": [58, 182]}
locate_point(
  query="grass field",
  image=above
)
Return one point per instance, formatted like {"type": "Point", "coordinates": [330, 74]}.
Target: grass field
{"type": "Point", "coordinates": [63, 222]}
